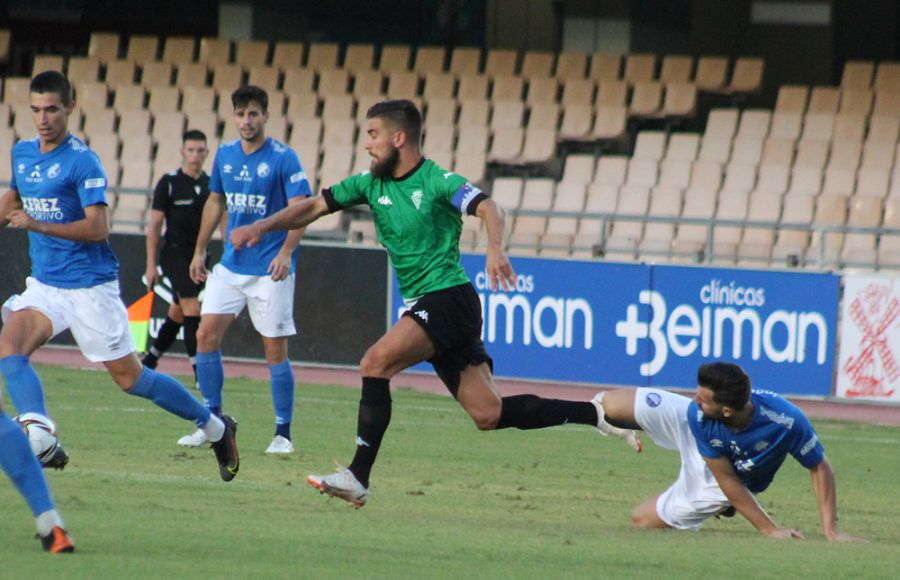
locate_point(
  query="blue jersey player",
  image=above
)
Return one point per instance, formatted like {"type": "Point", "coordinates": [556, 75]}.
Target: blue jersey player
{"type": "Point", "coordinates": [252, 177]}
{"type": "Point", "coordinates": [58, 194]}
{"type": "Point", "coordinates": [732, 441]}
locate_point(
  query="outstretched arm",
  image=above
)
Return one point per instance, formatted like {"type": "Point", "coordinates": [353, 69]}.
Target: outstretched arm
{"type": "Point", "coordinates": [297, 215]}
{"type": "Point", "coordinates": [499, 269]}
{"type": "Point", "coordinates": [93, 227]}
{"type": "Point", "coordinates": [744, 501]}
{"type": "Point", "coordinates": [280, 266]}
{"type": "Point", "coordinates": [826, 496]}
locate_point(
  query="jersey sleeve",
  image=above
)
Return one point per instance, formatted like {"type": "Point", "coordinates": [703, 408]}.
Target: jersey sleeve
{"type": "Point", "coordinates": [90, 180]}
{"type": "Point", "coordinates": [806, 447]}
{"type": "Point", "coordinates": [294, 178]}
{"type": "Point", "coordinates": [12, 174]}
{"type": "Point", "coordinates": [161, 194]}
{"type": "Point", "coordinates": [461, 193]}
{"type": "Point", "coordinates": [215, 178]}
{"type": "Point", "coordinates": [347, 193]}
{"type": "Point", "coordinates": [703, 445]}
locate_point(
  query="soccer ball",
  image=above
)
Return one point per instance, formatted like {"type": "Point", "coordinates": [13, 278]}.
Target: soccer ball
{"type": "Point", "coordinates": [41, 433]}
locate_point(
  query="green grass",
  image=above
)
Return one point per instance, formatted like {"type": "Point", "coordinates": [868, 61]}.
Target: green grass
{"type": "Point", "coordinates": [447, 501]}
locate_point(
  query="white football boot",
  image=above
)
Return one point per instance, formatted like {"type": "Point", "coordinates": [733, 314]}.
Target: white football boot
{"type": "Point", "coordinates": [343, 485]}
{"type": "Point", "coordinates": [195, 439]}
{"type": "Point", "coordinates": [280, 445]}
{"type": "Point", "coordinates": [628, 435]}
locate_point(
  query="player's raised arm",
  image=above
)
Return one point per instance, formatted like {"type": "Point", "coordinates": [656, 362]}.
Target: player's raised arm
{"type": "Point", "coordinates": [297, 215]}
{"type": "Point", "coordinates": [8, 202]}
{"type": "Point", "coordinates": [212, 214]}
{"type": "Point", "coordinates": [498, 267]}
{"type": "Point", "coordinates": [744, 501]}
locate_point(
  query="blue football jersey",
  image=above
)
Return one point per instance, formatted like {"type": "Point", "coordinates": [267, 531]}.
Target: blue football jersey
{"type": "Point", "coordinates": [256, 186]}
{"type": "Point", "coordinates": [56, 187]}
{"type": "Point", "coordinates": [778, 428]}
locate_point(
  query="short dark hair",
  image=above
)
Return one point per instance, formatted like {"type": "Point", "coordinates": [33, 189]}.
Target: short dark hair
{"type": "Point", "coordinates": [247, 94]}
{"type": "Point", "coordinates": [193, 135]}
{"type": "Point", "coordinates": [728, 382]}
{"type": "Point", "coordinates": [52, 81]}
{"type": "Point", "coordinates": [402, 114]}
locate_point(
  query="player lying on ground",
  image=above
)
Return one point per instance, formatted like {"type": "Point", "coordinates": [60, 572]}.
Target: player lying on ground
{"type": "Point", "coordinates": [418, 209]}
{"type": "Point", "coordinates": [732, 441]}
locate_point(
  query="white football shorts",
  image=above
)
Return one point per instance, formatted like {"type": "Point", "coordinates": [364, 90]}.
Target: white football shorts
{"type": "Point", "coordinates": [269, 303]}
{"type": "Point", "coordinates": [695, 496]}
{"type": "Point", "coordinates": [96, 316]}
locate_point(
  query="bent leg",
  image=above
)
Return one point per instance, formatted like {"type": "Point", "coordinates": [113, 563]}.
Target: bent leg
{"type": "Point", "coordinates": [404, 345]}
{"type": "Point", "coordinates": [645, 515]}
{"type": "Point", "coordinates": [167, 334]}
{"type": "Point", "coordinates": [23, 332]}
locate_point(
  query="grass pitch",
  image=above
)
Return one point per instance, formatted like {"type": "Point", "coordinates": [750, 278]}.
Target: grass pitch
{"type": "Point", "coordinates": [447, 501]}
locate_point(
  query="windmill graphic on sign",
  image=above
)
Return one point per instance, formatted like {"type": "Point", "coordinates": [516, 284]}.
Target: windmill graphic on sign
{"type": "Point", "coordinates": [869, 375]}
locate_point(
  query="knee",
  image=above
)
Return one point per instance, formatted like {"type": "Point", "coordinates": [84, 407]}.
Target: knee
{"type": "Point", "coordinates": [374, 363]}
{"type": "Point", "coordinates": [206, 339]}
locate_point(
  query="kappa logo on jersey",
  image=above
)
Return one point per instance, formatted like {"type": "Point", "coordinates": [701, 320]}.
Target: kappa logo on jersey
{"type": "Point", "coordinates": [448, 174]}
{"type": "Point", "coordinates": [423, 314]}
{"type": "Point", "coordinates": [417, 198]}
{"type": "Point", "coordinates": [385, 200]}
{"type": "Point", "coordinates": [45, 209]}
{"type": "Point", "coordinates": [262, 169]}
{"type": "Point", "coordinates": [53, 171]}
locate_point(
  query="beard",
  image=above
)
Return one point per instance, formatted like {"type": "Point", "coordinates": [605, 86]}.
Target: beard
{"type": "Point", "coordinates": [384, 169]}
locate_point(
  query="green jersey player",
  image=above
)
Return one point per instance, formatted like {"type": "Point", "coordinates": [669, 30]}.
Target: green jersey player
{"type": "Point", "coordinates": [418, 209]}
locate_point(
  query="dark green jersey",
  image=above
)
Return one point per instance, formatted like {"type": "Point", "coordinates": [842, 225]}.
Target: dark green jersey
{"type": "Point", "coordinates": [418, 219]}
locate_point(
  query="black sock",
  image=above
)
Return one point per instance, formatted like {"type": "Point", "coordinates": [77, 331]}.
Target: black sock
{"type": "Point", "coordinates": [191, 324]}
{"type": "Point", "coordinates": [372, 421]}
{"type": "Point", "coordinates": [166, 336]}
{"type": "Point", "coordinates": [283, 429]}
{"type": "Point", "coordinates": [533, 412]}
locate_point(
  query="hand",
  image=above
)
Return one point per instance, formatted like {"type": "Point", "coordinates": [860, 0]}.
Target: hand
{"type": "Point", "coordinates": [784, 534]}
{"type": "Point", "coordinates": [151, 276]}
{"type": "Point", "coordinates": [20, 220]}
{"type": "Point", "coordinates": [198, 268]}
{"type": "Point", "coordinates": [500, 272]}
{"type": "Point", "coordinates": [280, 267]}
{"type": "Point", "coordinates": [242, 236]}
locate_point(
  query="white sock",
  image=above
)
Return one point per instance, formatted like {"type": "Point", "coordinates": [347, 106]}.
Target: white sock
{"type": "Point", "coordinates": [47, 521]}
{"type": "Point", "coordinates": [214, 429]}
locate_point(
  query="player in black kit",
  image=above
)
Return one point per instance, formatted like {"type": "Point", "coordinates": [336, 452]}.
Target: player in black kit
{"type": "Point", "coordinates": [178, 201]}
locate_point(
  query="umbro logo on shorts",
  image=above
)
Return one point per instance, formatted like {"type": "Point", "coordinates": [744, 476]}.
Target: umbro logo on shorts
{"type": "Point", "coordinates": [423, 314]}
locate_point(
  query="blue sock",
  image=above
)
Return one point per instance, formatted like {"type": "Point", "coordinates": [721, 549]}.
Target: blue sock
{"type": "Point", "coordinates": [282, 382]}
{"type": "Point", "coordinates": [171, 395]}
{"type": "Point", "coordinates": [211, 374]}
{"type": "Point", "coordinates": [22, 467]}
{"type": "Point", "coordinates": [23, 384]}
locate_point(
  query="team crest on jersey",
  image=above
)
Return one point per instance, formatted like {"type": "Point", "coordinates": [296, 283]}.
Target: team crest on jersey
{"type": "Point", "coordinates": [417, 198]}
{"type": "Point", "coordinates": [53, 171]}
{"type": "Point", "coordinates": [262, 169]}
{"type": "Point", "coordinates": [197, 189]}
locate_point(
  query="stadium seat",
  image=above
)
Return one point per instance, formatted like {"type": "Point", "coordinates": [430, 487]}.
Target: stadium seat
{"type": "Point", "coordinates": [676, 68]}
{"type": "Point", "coordinates": [333, 82]}
{"type": "Point", "coordinates": [611, 170]}
{"type": "Point", "coordinates": [129, 98]}
{"type": "Point", "coordinates": [473, 139]}
{"type": "Point", "coordinates": [227, 77]}
{"type": "Point", "coordinates": [441, 112]}
{"type": "Point", "coordinates": [501, 63]}
{"type": "Point", "coordinates": [429, 59]}
{"type": "Point", "coordinates": [507, 115]}
{"type": "Point", "coordinates": [857, 75]}
{"type": "Point", "coordinates": [683, 147]}
{"type": "Point", "coordinates": [142, 48]}
{"type": "Point", "coordinates": [887, 77]}
{"type": "Point", "coordinates": [507, 88]}
{"type": "Point", "coordinates": [167, 126]}
{"type": "Point", "coordinates": [439, 85]}
{"type": "Point", "coordinates": [474, 113]}
{"type": "Point", "coordinates": [471, 165]}
{"type": "Point", "coordinates": [368, 83]}
{"type": "Point", "coordinates": [542, 90]}
{"type": "Point", "coordinates": [570, 196]}
{"type": "Point", "coordinates": [571, 66]}
{"type": "Point", "coordinates": [871, 182]}
{"type": "Point", "coordinates": [792, 99]}
{"type": "Point", "coordinates": [198, 99]}
{"type": "Point", "coordinates": [104, 46]}
{"type": "Point", "coordinates": [88, 95]}
{"type": "Point", "coordinates": [359, 57]}
{"type": "Point", "coordinates": [680, 101]}
{"type": "Point", "coordinates": [578, 92]}
{"type": "Point", "coordinates": [812, 154]}
{"type": "Point", "coordinates": [402, 85]}
{"type": "Point", "coordinates": [120, 72]}
{"type": "Point", "coordinates": [83, 68]}
{"type": "Point", "coordinates": [537, 64]}
{"type": "Point", "coordinates": [721, 123]}
{"type": "Point", "coordinates": [164, 100]}
{"type": "Point", "coordinates": [824, 100]}
{"type": "Point", "coordinates": [747, 76]}
{"type": "Point", "coordinates": [207, 122]}
{"type": "Point", "coordinates": [605, 67]}
{"type": "Point", "coordinates": [299, 80]}
{"type": "Point", "coordinates": [266, 77]}
{"type": "Point", "coordinates": [711, 73]}
{"type": "Point", "coordinates": [544, 116]}
{"type": "Point", "coordinates": [137, 147]}
{"type": "Point", "coordinates": [772, 179]}
{"type": "Point", "coordinates": [395, 58]}
{"type": "Point", "coordinates": [675, 174]}
{"type": "Point", "coordinates": [192, 74]}
{"type": "Point", "coordinates": [845, 155]}
{"type": "Point", "coordinates": [831, 210]}
{"type": "Point", "coordinates": [857, 102]}
{"type": "Point", "coordinates": [715, 149]}
{"type": "Point", "coordinates": [252, 53]}
{"type": "Point", "coordinates": [507, 192]}
{"type": "Point", "coordinates": [158, 73]}
{"type": "Point", "coordinates": [99, 121]}
{"type": "Point", "coordinates": [339, 132]}
{"type": "Point", "coordinates": [610, 124]}
{"type": "Point", "coordinates": [576, 122]}
{"type": "Point", "coordinates": [506, 145]}
{"type": "Point", "coordinates": [288, 55]}
{"type": "Point", "coordinates": [805, 182]}
{"type": "Point", "coordinates": [642, 172]}
{"type": "Point", "coordinates": [849, 128]}
{"type": "Point", "coordinates": [640, 68]}
{"type": "Point", "coordinates": [465, 61]}
{"type": "Point", "coordinates": [214, 51]}
{"type": "Point", "coordinates": [178, 49]}
{"type": "Point", "coordinates": [650, 145]}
